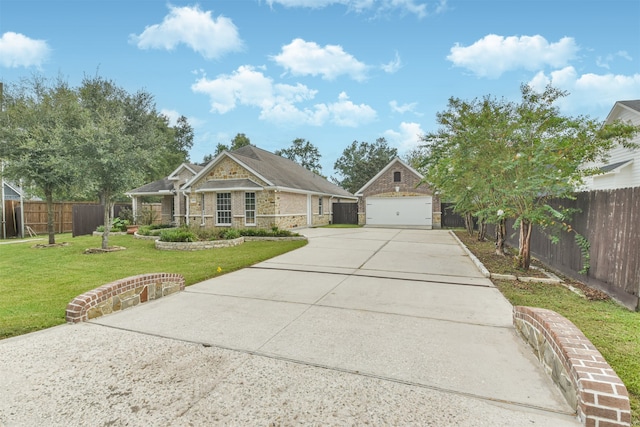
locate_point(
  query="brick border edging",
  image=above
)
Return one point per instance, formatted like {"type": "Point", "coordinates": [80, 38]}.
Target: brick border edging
{"type": "Point", "coordinates": [601, 398]}
{"type": "Point", "coordinates": [122, 294]}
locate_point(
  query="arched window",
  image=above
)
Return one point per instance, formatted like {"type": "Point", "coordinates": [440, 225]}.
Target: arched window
{"type": "Point", "coordinates": [397, 177]}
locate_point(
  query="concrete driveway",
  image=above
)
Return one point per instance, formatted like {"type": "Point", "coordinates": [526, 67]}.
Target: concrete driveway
{"type": "Point", "coordinates": [361, 326]}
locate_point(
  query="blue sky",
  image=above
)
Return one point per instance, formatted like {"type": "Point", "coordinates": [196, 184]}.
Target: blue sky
{"type": "Point", "coordinates": [328, 71]}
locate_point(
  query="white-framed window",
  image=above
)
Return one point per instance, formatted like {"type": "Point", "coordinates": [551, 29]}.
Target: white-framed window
{"type": "Point", "coordinates": [223, 208]}
{"type": "Point", "coordinates": [250, 208]}
{"type": "Point", "coordinates": [202, 211]}
{"type": "Point", "coordinates": [320, 205]}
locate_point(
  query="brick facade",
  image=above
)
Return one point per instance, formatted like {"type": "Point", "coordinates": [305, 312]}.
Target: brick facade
{"type": "Point", "coordinates": [408, 186]}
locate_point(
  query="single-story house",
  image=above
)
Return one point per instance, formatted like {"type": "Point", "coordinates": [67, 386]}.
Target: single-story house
{"type": "Point", "coordinates": [623, 166]}
{"type": "Point", "coordinates": [249, 187]}
{"type": "Point", "coordinates": [397, 197]}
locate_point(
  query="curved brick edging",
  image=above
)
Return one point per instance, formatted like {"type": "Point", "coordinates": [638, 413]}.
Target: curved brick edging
{"type": "Point", "coordinates": [585, 378]}
{"type": "Point", "coordinates": [122, 294]}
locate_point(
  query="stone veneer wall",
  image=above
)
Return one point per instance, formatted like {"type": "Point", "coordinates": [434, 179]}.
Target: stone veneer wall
{"type": "Point", "coordinates": [198, 246]}
{"type": "Point", "coordinates": [122, 294]}
{"type": "Point", "coordinates": [585, 378]}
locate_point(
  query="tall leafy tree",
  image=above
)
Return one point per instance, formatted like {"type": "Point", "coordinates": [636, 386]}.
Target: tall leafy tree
{"type": "Point", "coordinates": [511, 159]}
{"type": "Point", "coordinates": [304, 153]}
{"type": "Point", "coordinates": [361, 161]}
{"type": "Point", "coordinates": [239, 141]}
{"type": "Point", "coordinates": [178, 141]}
{"type": "Point", "coordinates": [119, 143]}
{"type": "Point", "coordinates": [38, 137]}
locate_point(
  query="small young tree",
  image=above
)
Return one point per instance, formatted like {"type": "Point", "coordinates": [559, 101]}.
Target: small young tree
{"type": "Point", "coordinates": [120, 141]}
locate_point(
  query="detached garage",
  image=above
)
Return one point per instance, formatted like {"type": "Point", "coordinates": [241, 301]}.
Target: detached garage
{"type": "Point", "coordinates": [395, 197]}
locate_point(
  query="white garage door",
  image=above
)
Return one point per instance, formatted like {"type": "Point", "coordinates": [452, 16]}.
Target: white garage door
{"type": "Point", "coordinates": [410, 211]}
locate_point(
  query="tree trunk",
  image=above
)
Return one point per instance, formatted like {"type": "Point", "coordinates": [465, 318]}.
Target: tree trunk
{"type": "Point", "coordinates": [468, 223]}
{"type": "Point", "coordinates": [107, 222]}
{"type": "Point", "coordinates": [501, 236]}
{"type": "Point", "coordinates": [482, 231]}
{"type": "Point", "coordinates": [51, 216]}
{"type": "Point", "coordinates": [524, 253]}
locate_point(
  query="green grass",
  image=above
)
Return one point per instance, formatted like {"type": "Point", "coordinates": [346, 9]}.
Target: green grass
{"type": "Point", "coordinates": [613, 329]}
{"type": "Point", "coordinates": [36, 284]}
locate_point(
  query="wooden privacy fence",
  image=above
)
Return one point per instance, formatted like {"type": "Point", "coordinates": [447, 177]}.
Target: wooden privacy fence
{"type": "Point", "coordinates": [69, 217]}
{"type": "Point", "coordinates": [345, 213]}
{"type": "Point", "coordinates": [610, 221]}
{"type": "Point", "coordinates": [35, 217]}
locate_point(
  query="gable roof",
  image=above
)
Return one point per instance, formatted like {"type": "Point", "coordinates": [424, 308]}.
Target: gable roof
{"type": "Point", "coordinates": [386, 168]}
{"type": "Point", "coordinates": [155, 188]}
{"type": "Point", "coordinates": [632, 105]}
{"type": "Point", "coordinates": [276, 171]}
{"type": "Point", "coordinates": [191, 167]}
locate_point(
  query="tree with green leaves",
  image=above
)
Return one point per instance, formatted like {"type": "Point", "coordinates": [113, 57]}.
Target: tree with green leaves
{"type": "Point", "coordinates": [238, 141]}
{"type": "Point", "coordinates": [512, 159]}
{"type": "Point", "coordinates": [38, 137]}
{"type": "Point", "coordinates": [119, 142]}
{"type": "Point", "coordinates": [304, 153]}
{"type": "Point", "coordinates": [361, 161]}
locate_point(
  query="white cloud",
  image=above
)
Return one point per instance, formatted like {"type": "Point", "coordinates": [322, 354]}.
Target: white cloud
{"type": "Point", "coordinates": [411, 6]}
{"type": "Point", "coordinates": [210, 37]}
{"type": "Point", "coordinates": [278, 103]}
{"type": "Point", "coordinates": [302, 58]}
{"type": "Point", "coordinates": [604, 61]}
{"type": "Point", "coordinates": [404, 108]}
{"type": "Point", "coordinates": [18, 50]}
{"type": "Point", "coordinates": [493, 55]}
{"type": "Point", "coordinates": [346, 113]}
{"type": "Point", "coordinates": [172, 115]}
{"type": "Point", "coordinates": [589, 93]}
{"type": "Point", "coordinates": [392, 66]}
{"type": "Point", "coordinates": [406, 138]}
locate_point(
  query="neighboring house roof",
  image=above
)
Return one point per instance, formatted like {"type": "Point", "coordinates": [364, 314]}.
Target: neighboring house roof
{"type": "Point", "coordinates": [633, 104]}
{"type": "Point", "coordinates": [386, 168]}
{"type": "Point", "coordinates": [11, 191]}
{"type": "Point", "coordinates": [276, 171]}
{"type": "Point", "coordinates": [614, 166]}
{"type": "Point", "coordinates": [161, 186]}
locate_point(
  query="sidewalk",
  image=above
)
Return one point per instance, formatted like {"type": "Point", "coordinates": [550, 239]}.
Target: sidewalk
{"type": "Point", "coordinates": [377, 326]}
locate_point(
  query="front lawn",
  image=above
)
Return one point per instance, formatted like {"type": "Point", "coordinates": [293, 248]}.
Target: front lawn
{"type": "Point", "coordinates": [613, 329]}
{"type": "Point", "coordinates": [37, 283]}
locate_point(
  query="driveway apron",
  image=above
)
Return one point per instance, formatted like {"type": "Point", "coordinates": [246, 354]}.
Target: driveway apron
{"type": "Point", "coordinates": [362, 325]}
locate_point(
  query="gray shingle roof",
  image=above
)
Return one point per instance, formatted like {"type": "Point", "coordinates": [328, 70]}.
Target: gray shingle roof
{"type": "Point", "coordinates": [282, 172]}
{"type": "Point", "coordinates": [633, 104]}
{"type": "Point", "coordinates": [612, 166]}
{"type": "Point", "coordinates": [230, 184]}
{"type": "Point", "coordinates": [161, 185]}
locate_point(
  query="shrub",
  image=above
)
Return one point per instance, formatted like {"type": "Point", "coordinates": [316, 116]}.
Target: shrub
{"type": "Point", "coordinates": [231, 233]}
{"type": "Point", "coordinates": [177, 235]}
{"type": "Point", "coordinates": [153, 229]}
